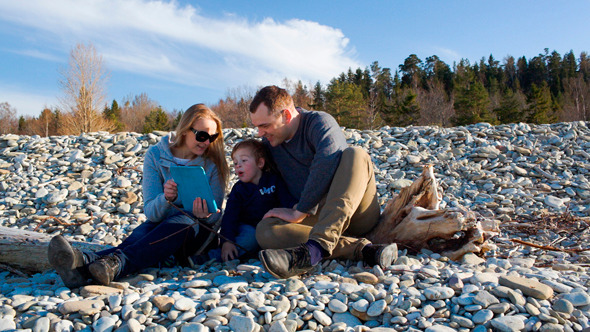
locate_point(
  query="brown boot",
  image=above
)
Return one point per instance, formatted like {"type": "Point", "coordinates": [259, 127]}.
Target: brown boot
{"type": "Point", "coordinates": [67, 261]}
{"type": "Point", "coordinates": [380, 254]}
{"type": "Point", "coordinates": [105, 269]}
{"type": "Point", "coordinates": [285, 263]}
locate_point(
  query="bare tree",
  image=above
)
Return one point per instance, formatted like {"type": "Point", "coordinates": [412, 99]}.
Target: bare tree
{"type": "Point", "coordinates": [8, 121]}
{"type": "Point", "coordinates": [435, 107]}
{"type": "Point", "coordinates": [83, 83]}
{"type": "Point", "coordinates": [135, 110]}
{"type": "Point", "coordinates": [235, 109]}
{"type": "Point", "coordinates": [577, 99]}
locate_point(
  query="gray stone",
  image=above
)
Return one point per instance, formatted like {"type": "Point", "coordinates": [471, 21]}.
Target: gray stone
{"type": "Point", "coordinates": [508, 323]}
{"type": "Point", "coordinates": [577, 299]}
{"type": "Point", "coordinates": [563, 305]}
{"type": "Point", "coordinates": [527, 286]}
{"type": "Point", "coordinates": [482, 316]}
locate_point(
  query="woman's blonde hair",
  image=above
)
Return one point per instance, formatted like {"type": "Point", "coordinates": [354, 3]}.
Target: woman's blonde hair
{"type": "Point", "coordinates": [216, 150]}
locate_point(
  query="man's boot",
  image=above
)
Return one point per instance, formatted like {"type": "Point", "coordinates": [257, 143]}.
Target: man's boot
{"type": "Point", "coordinates": [380, 254]}
{"type": "Point", "coordinates": [285, 263]}
{"type": "Point", "coordinates": [67, 261]}
{"type": "Point", "coordinates": [105, 269]}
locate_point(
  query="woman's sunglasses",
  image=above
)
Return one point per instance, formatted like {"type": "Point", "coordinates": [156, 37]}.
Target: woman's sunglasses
{"type": "Point", "coordinates": [202, 136]}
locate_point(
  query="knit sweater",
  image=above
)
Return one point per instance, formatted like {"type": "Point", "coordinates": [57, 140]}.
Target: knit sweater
{"type": "Point", "coordinates": [156, 171]}
{"type": "Point", "coordinates": [309, 160]}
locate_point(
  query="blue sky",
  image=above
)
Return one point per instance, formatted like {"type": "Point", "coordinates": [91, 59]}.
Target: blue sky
{"type": "Point", "coordinates": [184, 52]}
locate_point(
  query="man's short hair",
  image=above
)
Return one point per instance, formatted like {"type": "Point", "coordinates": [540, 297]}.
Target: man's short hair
{"type": "Point", "coordinates": [275, 98]}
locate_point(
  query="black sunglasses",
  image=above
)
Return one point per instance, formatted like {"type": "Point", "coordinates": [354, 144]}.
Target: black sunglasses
{"type": "Point", "coordinates": [202, 136]}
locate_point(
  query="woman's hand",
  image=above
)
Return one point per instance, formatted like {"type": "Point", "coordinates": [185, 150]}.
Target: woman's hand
{"type": "Point", "coordinates": [170, 190]}
{"type": "Point", "coordinates": [200, 209]}
{"type": "Point", "coordinates": [290, 215]}
{"type": "Point", "coordinates": [228, 251]}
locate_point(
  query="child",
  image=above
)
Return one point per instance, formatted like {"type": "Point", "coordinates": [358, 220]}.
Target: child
{"type": "Point", "coordinates": [257, 191]}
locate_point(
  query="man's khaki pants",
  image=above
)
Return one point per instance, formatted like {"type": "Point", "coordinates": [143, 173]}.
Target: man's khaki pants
{"type": "Point", "coordinates": [350, 209]}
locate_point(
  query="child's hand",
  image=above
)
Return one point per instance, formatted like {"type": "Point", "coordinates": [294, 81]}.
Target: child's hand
{"type": "Point", "coordinates": [228, 251]}
{"type": "Point", "coordinates": [290, 215]}
{"type": "Point", "coordinates": [170, 190]}
{"type": "Point", "coordinates": [200, 209]}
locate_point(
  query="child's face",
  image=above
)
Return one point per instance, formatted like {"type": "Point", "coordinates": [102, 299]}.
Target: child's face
{"type": "Point", "coordinates": [248, 169]}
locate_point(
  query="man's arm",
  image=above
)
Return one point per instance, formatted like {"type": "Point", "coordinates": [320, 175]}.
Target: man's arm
{"type": "Point", "coordinates": [324, 135]}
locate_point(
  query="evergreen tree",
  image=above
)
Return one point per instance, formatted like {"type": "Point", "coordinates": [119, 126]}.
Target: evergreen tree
{"type": "Point", "coordinates": [405, 111]}
{"type": "Point", "coordinates": [345, 101]}
{"type": "Point", "coordinates": [584, 66]}
{"type": "Point", "coordinates": [511, 108]}
{"type": "Point", "coordinates": [113, 114]}
{"type": "Point", "coordinates": [411, 71]}
{"type": "Point", "coordinates": [157, 119]}
{"type": "Point", "coordinates": [471, 97]}
{"type": "Point", "coordinates": [176, 120]}
{"type": "Point", "coordinates": [319, 97]}
{"type": "Point", "coordinates": [569, 65]}
{"type": "Point", "coordinates": [539, 110]}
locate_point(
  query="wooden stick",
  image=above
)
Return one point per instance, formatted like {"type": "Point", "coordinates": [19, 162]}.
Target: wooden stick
{"type": "Point", "coordinates": [550, 248]}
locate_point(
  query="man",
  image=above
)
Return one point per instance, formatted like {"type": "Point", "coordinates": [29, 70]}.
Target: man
{"type": "Point", "coordinates": [333, 183]}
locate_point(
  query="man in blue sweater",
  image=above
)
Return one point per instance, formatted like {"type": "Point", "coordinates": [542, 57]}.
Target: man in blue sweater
{"type": "Point", "coordinates": [333, 183]}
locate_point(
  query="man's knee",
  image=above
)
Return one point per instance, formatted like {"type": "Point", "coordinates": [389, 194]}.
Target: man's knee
{"type": "Point", "coordinates": [355, 153]}
{"type": "Point", "coordinates": [264, 233]}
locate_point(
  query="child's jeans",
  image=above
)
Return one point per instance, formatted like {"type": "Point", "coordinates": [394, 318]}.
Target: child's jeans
{"type": "Point", "coordinates": [246, 238]}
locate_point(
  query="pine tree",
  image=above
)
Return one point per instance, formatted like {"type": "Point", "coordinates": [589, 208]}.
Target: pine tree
{"type": "Point", "coordinates": [346, 103]}
{"type": "Point", "coordinates": [539, 110]}
{"type": "Point", "coordinates": [157, 119]}
{"type": "Point", "coordinates": [113, 114]}
{"type": "Point", "coordinates": [511, 108]}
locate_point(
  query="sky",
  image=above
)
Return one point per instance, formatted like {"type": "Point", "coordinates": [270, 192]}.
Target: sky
{"type": "Point", "coordinates": [181, 53]}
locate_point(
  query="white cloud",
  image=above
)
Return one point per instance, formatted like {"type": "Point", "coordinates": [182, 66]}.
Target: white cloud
{"type": "Point", "coordinates": [27, 103]}
{"type": "Point", "coordinates": [169, 41]}
{"type": "Point", "coordinates": [448, 55]}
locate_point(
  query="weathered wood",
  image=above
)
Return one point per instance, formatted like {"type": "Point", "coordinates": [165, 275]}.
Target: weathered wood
{"type": "Point", "coordinates": [26, 250]}
{"type": "Point", "coordinates": [414, 221]}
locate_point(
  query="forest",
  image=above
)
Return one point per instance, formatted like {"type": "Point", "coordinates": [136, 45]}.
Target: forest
{"type": "Point", "coordinates": [546, 88]}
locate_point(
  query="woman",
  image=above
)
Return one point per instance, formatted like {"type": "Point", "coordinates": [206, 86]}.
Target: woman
{"type": "Point", "coordinates": [197, 141]}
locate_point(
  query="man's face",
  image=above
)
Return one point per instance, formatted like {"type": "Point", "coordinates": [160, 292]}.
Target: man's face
{"type": "Point", "coordinates": [270, 126]}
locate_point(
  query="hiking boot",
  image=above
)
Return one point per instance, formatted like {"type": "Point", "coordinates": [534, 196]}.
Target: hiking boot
{"type": "Point", "coordinates": [67, 261]}
{"type": "Point", "coordinates": [105, 269]}
{"type": "Point", "coordinates": [380, 254]}
{"type": "Point", "coordinates": [285, 263]}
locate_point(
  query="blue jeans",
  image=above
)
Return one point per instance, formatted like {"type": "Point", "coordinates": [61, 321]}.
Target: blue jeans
{"type": "Point", "coordinates": [151, 243]}
{"type": "Point", "coordinates": [246, 238]}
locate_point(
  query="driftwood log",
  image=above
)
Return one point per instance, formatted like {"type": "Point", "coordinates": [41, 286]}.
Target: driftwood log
{"type": "Point", "coordinates": [27, 250]}
{"type": "Point", "coordinates": [413, 220]}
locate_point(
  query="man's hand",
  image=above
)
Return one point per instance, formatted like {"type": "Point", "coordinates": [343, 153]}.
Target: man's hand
{"type": "Point", "coordinates": [290, 215]}
{"type": "Point", "coordinates": [170, 190]}
{"type": "Point", "coordinates": [228, 251]}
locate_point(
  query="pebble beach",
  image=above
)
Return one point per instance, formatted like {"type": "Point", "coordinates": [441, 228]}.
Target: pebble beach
{"type": "Point", "coordinates": [533, 179]}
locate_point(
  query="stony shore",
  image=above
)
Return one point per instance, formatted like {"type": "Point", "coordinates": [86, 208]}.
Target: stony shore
{"type": "Point", "coordinates": [512, 173]}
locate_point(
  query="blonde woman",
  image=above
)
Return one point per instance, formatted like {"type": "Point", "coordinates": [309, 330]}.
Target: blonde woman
{"type": "Point", "coordinates": [197, 141]}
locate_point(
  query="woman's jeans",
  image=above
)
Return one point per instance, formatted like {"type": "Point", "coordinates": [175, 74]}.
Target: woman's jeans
{"type": "Point", "coordinates": [151, 243]}
{"type": "Point", "coordinates": [246, 238]}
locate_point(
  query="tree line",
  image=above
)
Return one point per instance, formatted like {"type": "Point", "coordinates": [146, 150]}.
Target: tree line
{"type": "Point", "coordinates": [543, 89]}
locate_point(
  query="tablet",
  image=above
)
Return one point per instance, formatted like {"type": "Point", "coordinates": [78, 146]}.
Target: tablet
{"type": "Point", "coordinates": [192, 182]}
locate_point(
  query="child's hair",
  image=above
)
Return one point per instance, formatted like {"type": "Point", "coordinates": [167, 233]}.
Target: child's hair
{"type": "Point", "coordinates": [259, 150]}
